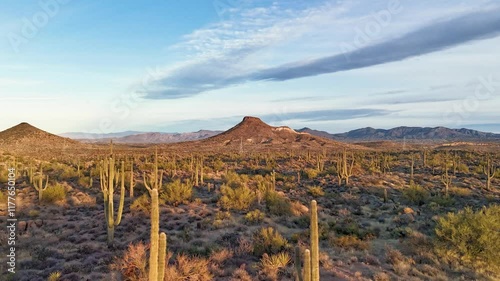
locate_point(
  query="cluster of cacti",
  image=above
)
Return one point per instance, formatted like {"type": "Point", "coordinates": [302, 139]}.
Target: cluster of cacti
{"type": "Point", "coordinates": [344, 168]}
{"type": "Point", "coordinates": [385, 161]}
{"type": "Point", "coordinates": [320, 163]}
{"type": "Point", "coordinates": [39, 186]}
{"type": "Point", "coordinates": [109, 179]}
{"type": "Point", "coordinates": [311, 257]}
{"type": "Point", "coordinates": [489, 171]}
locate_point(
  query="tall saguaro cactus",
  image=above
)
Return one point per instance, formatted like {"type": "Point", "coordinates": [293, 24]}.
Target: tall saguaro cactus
{"type": "Point", "coordinates": [39, 186]}
{"type": "Point", "coordinates": [311, 257]}
{"type": "Point", "coordinates": [314, 242]}
{"type": "Point", "coordinates": [489, 171]}
{"type": "Point", "coordinates": [131, 178]}
{"type": "Point", "coordinates": [158, 249]}
{"type": "Point", "coordinates": [109, 178]}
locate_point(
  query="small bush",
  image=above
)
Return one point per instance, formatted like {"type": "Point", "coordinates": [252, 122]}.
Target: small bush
{"type": "Point", "coordinates": [268, 240]}
{"type": "Point", "coordinates": [133, 264]}
{"type": "Point", "coordinates": [416, 194]}
{"type": "Point", "coordinates": [316, 191]}
{"type": "Point", "coordinates": [176, 193]}
{"type": "Point", "coordinates": [188, 268]}
{"type": "Point", "coordinates": [54, 194]}
{"type": "Point", "coordinates": [54, 276]}
{"type": "Point", "coordinates": [460, 191]}
{"type": "Point", "coordinates": [272, 264]}
{"type": "Point", "coordinates": [254, 217]}
{"type": "Point", "coordinates": [471, 238]}
{"type": "Point", "coordinates": [278, 205]}
{"type": "Point", "coordinates": [350, 242]}
{"type": "Point", "coordinates": [240, 198]}
{"type": "Point", "coordinates": [311, 173]}
{"type": "Point", "coordinates": [141, 204]}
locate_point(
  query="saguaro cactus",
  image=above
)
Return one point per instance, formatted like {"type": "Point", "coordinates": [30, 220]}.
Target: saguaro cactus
{"type": "Point", "coordinates": [307, 265]}
{"type": "Point", "coordinates": [489, 171]}
{"type": "Point", "coordinates": [131, 178]}
{"type": "Point", "coordinates": [39, 186]}
{"type": "Point", "coordinates": [314, 242]}
{"type": "Point", "coordinates": [298, 268]}
{"type": "Point", "coordinates": [109, 179]}
{"type": "Point", "coordinates": [157, 254]}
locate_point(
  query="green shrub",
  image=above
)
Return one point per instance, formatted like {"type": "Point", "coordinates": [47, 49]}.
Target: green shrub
{"type": "Point", "coordinates": [278, 205]}
{"type": "Point", "coordinates": [268, 240]}
{"type": "Point", "coordinates": [233, 180]}
{"type": "Point", "coordinates": [141, 204]}
{"type": "Point", "coordinates": [176, 192]}
{"type": "Point", "coordinates": [254, 217]}
{"type": "Point", "coordinates": [350, 242]}
{"type": "Point", "coordinates": [3, 197]}
{"type": "Point", "coordinates": [311, 173]}
{"type": "Point", "coordinates": [471, 238]}
{"type": "Point", "coordinates": [316, 191]}
{"type": "Point", "coordinates": [240, 198]}
{"type": "Point", "coordinates": [54, 276]}
{"type": "Point", "coordinates": [416, 194]}
{"type": "Point", "coordinates": [54, 193]}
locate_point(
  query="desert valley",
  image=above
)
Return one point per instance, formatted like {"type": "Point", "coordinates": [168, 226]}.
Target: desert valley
{"type": "Point", "coordinates": [238, 206]}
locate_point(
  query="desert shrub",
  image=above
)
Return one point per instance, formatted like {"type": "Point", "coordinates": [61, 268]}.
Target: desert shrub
{"type": "Point", "coordinates": [33, 213]}
{"type": "Point", "coordinates": [188, 268]}
{"type": "Point", "coordinates": [3, 197]}
{"type": "Point", "coordinates": [316, 191]}
{"type": "Point", "coordinates": [54, 193]}
{"type": "Point", "coordinates": [278, 205]}
{"type": "Point", "coordinates": [240, 198]}
{"type": "Point", "coordinates": [233, 180]}
{"type": "Point", "coordinates": [133, 264]}
{"type": "Point", "coordinates": [441, 200]}
{"type": "Point", "coordinates": [268, 240]}
{"type": "Point", "coordinates": [240, 274]}
{"type": "Point", "coordinates": [54, 276]}
{"type": "Point", "coordinates": [255, 216]}
{"type": "Point", "coordinates": [176, 192]}
{"type": "Point", "coordinates": [460, 191]}
{"type": "Point", "coordinates": [462, 168]}
{"type": "Point", "coordinates": [272, 264]}
{"type": "Point", "coordinates": [84, 181]}
{"type": "Point", "coordinates": [311, 173]}
{"type": "Point", "coordinates": [400, 264]}
{"type": "Point", "coordinates": [416, 194]}
{"type": "Point", "coordinates": [350, 242]}
{"type": "Point", "coordinates": [381, 276]}
{"type": "Point", "coordinates": [141, 204]}
{"type": "Point", "coordinates": [67, 173]}
{"type": "Point", "coordinates": [471, 238]}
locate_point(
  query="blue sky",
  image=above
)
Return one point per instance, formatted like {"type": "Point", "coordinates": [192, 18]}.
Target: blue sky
{"type": "Point", "coordinates": [178, 66]}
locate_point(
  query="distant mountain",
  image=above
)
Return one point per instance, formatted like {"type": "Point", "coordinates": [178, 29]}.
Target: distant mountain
{"type": "Point", "coordinates": [407, 133]}
{"type": "Point", "coordinates": [81, 135]}
{"type": "Point", "coordinates": [253, 131]}
{"type": "Point", "coordinates": [166, 137]}
{"type": "Point", "coordinates": [27, 138]}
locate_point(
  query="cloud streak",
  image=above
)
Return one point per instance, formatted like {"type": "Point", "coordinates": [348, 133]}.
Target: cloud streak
{"type": "Point", "coordinates": [221, 72]}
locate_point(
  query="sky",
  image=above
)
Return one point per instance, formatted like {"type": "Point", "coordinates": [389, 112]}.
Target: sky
{"type": "Point", "coordinates": [181, 66]}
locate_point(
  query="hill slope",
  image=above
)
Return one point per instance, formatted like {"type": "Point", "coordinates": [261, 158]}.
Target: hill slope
{"type": "Point", "coordinates": [27, 138]}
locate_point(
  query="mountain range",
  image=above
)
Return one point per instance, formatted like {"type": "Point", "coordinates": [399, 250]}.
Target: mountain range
{"type": "Point", "coordinates": [363, 134]}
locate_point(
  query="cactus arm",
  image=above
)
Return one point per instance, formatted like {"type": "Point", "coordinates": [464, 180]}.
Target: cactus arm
{"type": "Point", "coordinates": [122, 196]}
